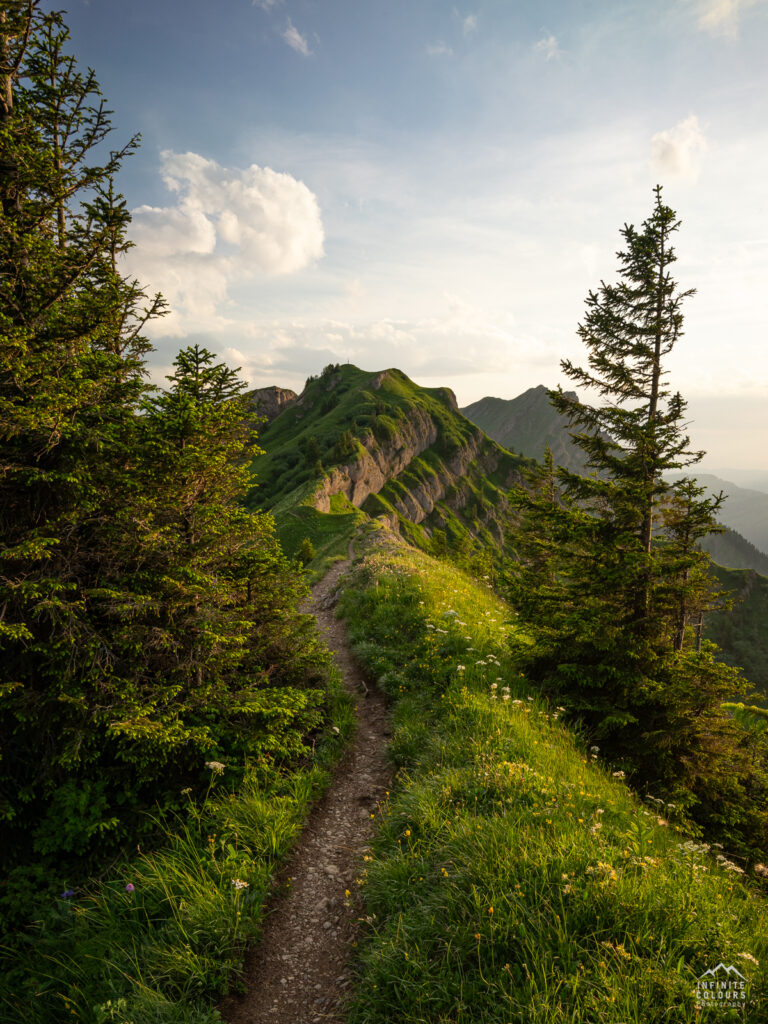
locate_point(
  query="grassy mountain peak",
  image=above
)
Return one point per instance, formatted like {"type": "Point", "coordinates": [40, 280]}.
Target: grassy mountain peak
{"type": "Point", "coordinates": [359, 444]}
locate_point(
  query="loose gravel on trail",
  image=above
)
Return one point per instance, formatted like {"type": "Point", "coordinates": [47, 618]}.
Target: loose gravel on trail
{"type": "Point", "coordinates": [301, 970]}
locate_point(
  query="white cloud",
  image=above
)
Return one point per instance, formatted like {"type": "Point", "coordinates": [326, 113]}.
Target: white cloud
{"type": "Point", "coordinates": [677, 152]}
{"type": "Point", "coordinates": [265, 5]}
{"type": "Point", "coordinates": [227, 225]}
{"type": "Point", "coordinates": [549, 47]}
{"type": "Point", "coordinates": [722, 17]}
{"type": "Point", "coordinates": [469, 25]}
{"type": "Point", "coordinates": [439, 49]}
{"type": "Point", "coordinates": [296, 40]}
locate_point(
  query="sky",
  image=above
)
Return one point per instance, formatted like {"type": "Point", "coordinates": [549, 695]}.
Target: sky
{"type": "Point", "coordinates": [437, 187]}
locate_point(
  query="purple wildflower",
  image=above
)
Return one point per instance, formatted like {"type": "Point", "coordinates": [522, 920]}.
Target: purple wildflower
{"type": "Point", "coordinates": [130, 887]}
{"type": "Point", "coordinates": [68, 894]}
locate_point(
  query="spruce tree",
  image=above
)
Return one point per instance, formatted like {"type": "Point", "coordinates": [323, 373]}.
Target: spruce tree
{"type": "Point", "coordinates": [147, 621]}
{"type": "Point", "coordinates": [615, 583]}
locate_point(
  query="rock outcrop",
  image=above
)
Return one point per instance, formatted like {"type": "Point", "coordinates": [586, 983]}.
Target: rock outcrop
{"type": "Point", "coordinates": [269, 402]}
{"type": "Point", "coordinates": [382, 461]}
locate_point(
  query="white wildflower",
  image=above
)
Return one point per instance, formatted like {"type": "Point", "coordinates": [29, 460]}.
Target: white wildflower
{"type": "Point", "coordinates": [748, 956]}
{"type": "Point", "coordinates": [215, 766]}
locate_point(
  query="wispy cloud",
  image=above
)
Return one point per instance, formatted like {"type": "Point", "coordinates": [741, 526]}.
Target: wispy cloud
{"type": "Point", "coordinates": [677, 152]}
{"type": "Point", "coordinates": [469, 25]}
{"type": "Point", "coordinates": [722, 17]}
{"type": "Point", "coordinates": [266, 5]}
{"type": "Point", "coordinates": [439, 49]}
{"type": "Point", "coordinates": [296, 40]}
{"type": "Point", "coordinates": [548, 46]}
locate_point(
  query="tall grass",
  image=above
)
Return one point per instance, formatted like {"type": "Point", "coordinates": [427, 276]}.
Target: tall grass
{"type": "Point", "coordinates": [164, 937]}
{"type": "Point", "coordinates": [515, 877]}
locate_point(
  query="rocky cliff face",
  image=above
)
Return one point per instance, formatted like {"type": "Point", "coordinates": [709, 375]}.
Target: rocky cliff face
{"type": "Point", "coordinates": [413, 487]}
{"type": "Point", "coordinates": [270, 402]}
{"type": "Point", "coordinates": [382, 461]}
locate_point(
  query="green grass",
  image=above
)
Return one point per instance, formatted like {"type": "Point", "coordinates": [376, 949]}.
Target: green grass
{"type": "Point", "coordinates": [164, 952]}
{"type": "Point", "coordinates": [330, 533]}
{"type": "Point", "coordinates": [515, 878]}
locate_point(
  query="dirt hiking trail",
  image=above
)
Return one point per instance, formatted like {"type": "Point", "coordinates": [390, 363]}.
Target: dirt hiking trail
{"type": "Point", "coordinates": [300, 971]}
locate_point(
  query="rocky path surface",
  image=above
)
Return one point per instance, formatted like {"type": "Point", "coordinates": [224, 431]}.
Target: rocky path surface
{"type": "Point", "coordinates": [300, 971]}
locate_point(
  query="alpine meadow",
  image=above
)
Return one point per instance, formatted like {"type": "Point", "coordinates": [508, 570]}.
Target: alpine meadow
{"type": "Point", "coordinates": [339, 702]}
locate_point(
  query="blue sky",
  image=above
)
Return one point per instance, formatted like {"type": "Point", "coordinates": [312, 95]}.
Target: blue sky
{"type": "Point", "coordinates": [436, 186]}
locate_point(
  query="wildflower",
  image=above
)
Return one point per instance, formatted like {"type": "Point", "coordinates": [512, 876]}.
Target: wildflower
{"type": "Point", "coordinates": [407, 832]}
{"type": "Point", "coordinates": [130, 887]}
{"type": "Point", "coordinates": [595, 750]}
{"type": "Point", "coordinates": [494, 686]}
{"type": "Point", "coordinates": [761, 869]}
{"type": "Point", "coordinates": [618, 775]}
{"type": "Point", "coordinates": [460, 668]}
{"type": "Point", "coordinates": [490, 910]}
{"type": "Point", "coordinates": [517, 702]}
{"type": "Point", "coordinates": [748, 956]}
{"type": "Point", "coordinates": [239, 883]}
{"type": "Point", "coordinates": [347, 893]}
{"type": "Point", "coordinates": [561, 709]}
{"type": "Point", "coordinates": [335, 729]}
{"type": "Point", "coordinates": [566, 889]}
{"type": "Point", "coordinates": [186, 791]}
{"type": "Point", "coordinates": [478, 936]}
{"type": "Point", "coordinates": [215, 766]}
{"type": "Point", "coordinates": [68, 894]}
{"type": "Point", "coordinates": [505, 697]}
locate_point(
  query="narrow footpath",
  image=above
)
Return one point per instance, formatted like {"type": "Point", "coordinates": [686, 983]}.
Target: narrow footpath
{"type": "Point", "coordinates": [301, 970]}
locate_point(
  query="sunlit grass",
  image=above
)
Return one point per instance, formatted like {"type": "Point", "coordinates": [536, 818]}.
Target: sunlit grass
{"type": "Point", "coordinates": [515, 878]}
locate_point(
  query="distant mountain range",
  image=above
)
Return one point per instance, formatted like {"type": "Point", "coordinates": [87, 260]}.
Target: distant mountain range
{"type": "Point", "coordinates": [745, 511]}
{"type": "Point", "coordinates": [528, 424]}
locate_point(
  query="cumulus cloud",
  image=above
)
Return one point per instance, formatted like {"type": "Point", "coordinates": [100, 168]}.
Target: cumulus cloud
{"type": "Point", "coordinates": [296, 40]}
{"type": "Point", "coordinates": [722, 17]}
{"type": "Point", "coordinates": [677, 152]}
{"type": "Point", "coordinates": [227, 225]}
{"type": "Point", "coordinates": [548, 46]}
{"type": "Point", "coordinates": [439, 49]}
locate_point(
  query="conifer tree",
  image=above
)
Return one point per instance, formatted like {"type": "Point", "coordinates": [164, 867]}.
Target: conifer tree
{"type": "Point", "coordinates": [147, 621]}
{"type": "Point", "coordinates": [616, 615]}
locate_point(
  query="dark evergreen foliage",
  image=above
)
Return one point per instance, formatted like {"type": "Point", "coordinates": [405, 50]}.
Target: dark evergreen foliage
{"type": "Point", "coordinates": [611, 583]}
{"type": "Point", "coordinates": [147, 620]}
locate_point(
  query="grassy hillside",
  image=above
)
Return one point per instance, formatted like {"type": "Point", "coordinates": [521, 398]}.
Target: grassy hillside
{"type": "Point", "coordinates": [359, 444]}
{"type": "Point", "coordinates": [516, 877]}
